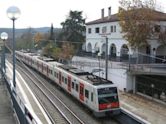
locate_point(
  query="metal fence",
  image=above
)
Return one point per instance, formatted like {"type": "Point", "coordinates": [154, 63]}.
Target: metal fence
{"type": "Point", "coordinates": [136, 58]}
{"type": "Point", "coordinates": [24, 114]}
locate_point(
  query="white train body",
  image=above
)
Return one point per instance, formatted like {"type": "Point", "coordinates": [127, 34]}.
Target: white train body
{"type": "Point", "coordinates": [97, 94]}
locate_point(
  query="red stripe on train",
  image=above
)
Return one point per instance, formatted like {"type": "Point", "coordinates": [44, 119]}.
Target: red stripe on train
{"type": "Point", "coordinates": [108, 105]}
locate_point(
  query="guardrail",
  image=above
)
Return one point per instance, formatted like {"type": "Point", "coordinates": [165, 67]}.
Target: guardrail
{"type": "Point", "coordinates": [24, 113]}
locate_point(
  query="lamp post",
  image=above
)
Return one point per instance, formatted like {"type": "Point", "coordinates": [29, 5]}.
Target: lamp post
{"type": "Point", "coordinates": [99, 55]}
{"type": "Point", "coordinates": [4, 36]}
{"type": "Point", "coordinates": [13, 13]}
{"type": "Point", "coordinates": [106, 59]}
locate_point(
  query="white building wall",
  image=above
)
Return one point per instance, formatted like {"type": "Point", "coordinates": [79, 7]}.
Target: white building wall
{"type": "Point", "coordinates": [118, 77]}
{"type": "Point", "coordinates": [116, 37]}
{"type": "Point", "coordinates": [113, 37]}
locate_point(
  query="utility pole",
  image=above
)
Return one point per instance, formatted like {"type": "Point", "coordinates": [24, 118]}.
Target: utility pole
{"type": "Point", "coordinates": [106, 53]}
{"type": "Point", "coordinates": [106, 59]}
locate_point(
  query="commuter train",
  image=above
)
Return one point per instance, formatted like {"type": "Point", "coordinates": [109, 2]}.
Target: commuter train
{"type": "Point", "coordinates": [98, 94]}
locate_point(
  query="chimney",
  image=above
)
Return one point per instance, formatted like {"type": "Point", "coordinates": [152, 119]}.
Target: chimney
{"type": "Point", "coordinates": [102, 13]}
{"type": "Point", "coordinates": [109, 12]}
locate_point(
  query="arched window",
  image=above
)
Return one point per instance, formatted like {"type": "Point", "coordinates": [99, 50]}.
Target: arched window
{"type": "Point", "coordinates": [124, 52]}
{"type": "Point", "coordinates": [89, 47]}
{"type": "Point", "coordinates": [112, 51]}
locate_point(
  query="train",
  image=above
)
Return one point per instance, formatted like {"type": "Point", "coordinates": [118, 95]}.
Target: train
{"type": "Point", "coordinates": [96, 93]}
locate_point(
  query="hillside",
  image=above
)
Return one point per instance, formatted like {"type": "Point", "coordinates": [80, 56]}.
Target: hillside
{"type": "Point", "coordinates": [19, 32]}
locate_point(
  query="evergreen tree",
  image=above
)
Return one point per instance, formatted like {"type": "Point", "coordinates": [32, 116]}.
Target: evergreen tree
{"type": "Point", "coordinates": [51, 37]}
{"type": "Point", "coordinates": [73, 28]}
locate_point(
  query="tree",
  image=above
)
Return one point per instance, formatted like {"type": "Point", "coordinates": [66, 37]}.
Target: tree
{"type": "Point", "coordinates": [162, 37]}
{"type": "Point", "coordinates": [38, 37]}
{"type": "Point", "coordinates": [51, 37]}
{"type": "Point", "coordinates": [68, 51]}
{"type": "Point", "coordinates": [137, 20]}
{"type": "Point", "coordinates": [26, 40]}
{"type": "Point", "coordinates": [73, 28]}
{"type": "Point", "coordinates": [48, 50]}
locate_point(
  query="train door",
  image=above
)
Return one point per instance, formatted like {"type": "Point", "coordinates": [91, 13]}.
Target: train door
{"type": "Point", "coordinates": [69, 84]}
{"type": "Point", "coordinates": [81, 92]}
{"type": "Point", "coordinates": [60, 77]}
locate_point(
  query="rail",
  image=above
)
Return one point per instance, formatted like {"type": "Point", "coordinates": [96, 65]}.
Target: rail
{"type": "Point", "coordinates": [50, 99]}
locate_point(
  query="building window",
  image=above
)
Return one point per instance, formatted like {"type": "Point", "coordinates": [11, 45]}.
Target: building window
{"type": "Point", "coordinates": [114, 28]}
{"type": "Point", "coordinates": [97, 30]}
{"type": "Point", "coordinates": [104, 30]}
{"type": "Point", "coordinates": [89, 30]}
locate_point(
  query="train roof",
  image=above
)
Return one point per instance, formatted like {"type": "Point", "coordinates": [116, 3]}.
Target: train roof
{"type": "Point", "coordinates": [46, 59]}
{"type": "Point", "coordinates": [89, 77]}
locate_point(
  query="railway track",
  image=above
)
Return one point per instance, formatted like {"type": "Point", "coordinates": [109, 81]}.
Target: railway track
{"type": "Point", "coordinates": [63, 114]}
{"type": "Point", "coordinates": [86, 117]}
{"type": "Point", "coordinates": [76, 109]}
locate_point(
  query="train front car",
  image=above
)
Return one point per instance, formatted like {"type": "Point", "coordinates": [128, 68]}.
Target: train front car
{"type": "Point", "coordinates": [108, 101]}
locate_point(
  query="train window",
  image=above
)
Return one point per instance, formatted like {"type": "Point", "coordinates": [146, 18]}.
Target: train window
{"type": "Point", "coordinates": [73, 85]}
{"type": "Point", "coordinates": [65, 80]}
{"type": "Point", "coordinates": [91, 96]}
{"type": "Point", "coordinates": [62, 79]}
{"type": "Point", "coordinates": [86, 93]}
{"type": "Point", "coordinates": [54, 74]}
{"type": "Point", "coordinates": [77, 87]}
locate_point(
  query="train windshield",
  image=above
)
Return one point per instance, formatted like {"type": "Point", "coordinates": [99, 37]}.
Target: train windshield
{"type": "Point", "coordinates": [107, 95]}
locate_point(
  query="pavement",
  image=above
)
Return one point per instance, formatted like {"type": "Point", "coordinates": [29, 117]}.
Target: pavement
{"type": "Point", "coordinates": [6, 111]}
{"type": "Point", "coordinates": [151, 111]}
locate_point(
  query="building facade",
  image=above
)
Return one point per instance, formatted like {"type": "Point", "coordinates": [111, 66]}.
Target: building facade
{"type": "Point", "coordinates": [118, 48]}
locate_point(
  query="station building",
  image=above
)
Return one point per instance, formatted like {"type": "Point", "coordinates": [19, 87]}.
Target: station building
{"type": "Point", "coordinates": [118, 47]}
{"type": "Point", "coordinates": [118, 50]}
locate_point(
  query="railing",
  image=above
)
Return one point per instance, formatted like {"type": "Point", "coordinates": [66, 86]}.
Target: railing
{"type": "Point", "coordinates": [136, 58]}
{"type": "Point", "coordinates": [24, 113]}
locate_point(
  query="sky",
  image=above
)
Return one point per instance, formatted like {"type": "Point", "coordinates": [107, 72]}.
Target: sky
{"type": "Point", "coordinates": [41, 13]}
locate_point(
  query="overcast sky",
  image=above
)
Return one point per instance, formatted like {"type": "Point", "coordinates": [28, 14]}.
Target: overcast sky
{"type": "Point", "coordinates": [40, 13]}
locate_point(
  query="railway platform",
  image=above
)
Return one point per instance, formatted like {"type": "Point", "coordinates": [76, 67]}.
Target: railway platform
{"type": "Point", "coordinates": [6, 111]}
{"type": "Point", "coordinates": [27, 99]}
{"type": "Point", "coordinates": [149, 110]}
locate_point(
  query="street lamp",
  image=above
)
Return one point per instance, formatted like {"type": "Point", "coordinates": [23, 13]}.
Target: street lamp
{"type": "Point", "coordinates": [99, 55]}
{"type": "Point", "coordinates": [4, 36]}
{"type": "Point", "coordinates": [13, 13]}
{"type": "Point", "coordinates": [106, 53]}
{"type": "Point", "coordinates": [106, 59]}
